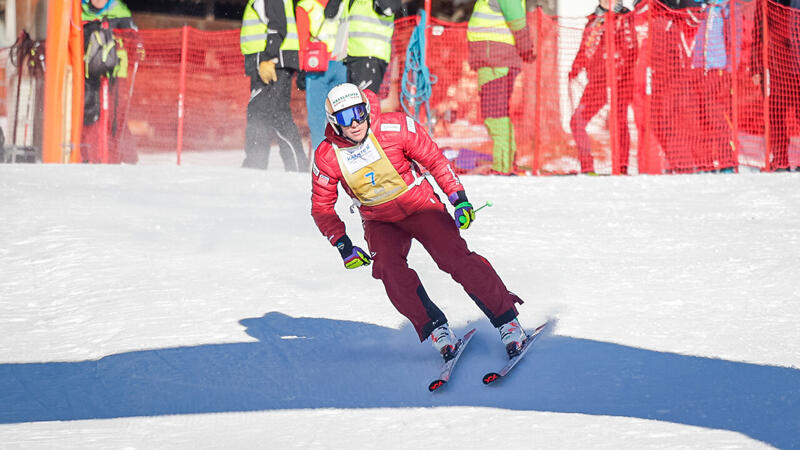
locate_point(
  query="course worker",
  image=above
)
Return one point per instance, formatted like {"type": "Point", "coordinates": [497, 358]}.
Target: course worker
{"type": "Point", "coordinates": [326, 22]}
{"type": "Point", "coordinates": [369, 45]}
{"type": "Point", "coordinates": [269, 43]}
{"type": "Point", "coordinates": [498, 43]}
{"type": "Point", "coordinates": [375, 158]}
{"type": "Point", "coordinates": [105, 57]}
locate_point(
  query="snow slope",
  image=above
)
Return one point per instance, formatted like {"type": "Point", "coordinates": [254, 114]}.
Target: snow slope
{"type": "Point", "coordinates": [198, 307]}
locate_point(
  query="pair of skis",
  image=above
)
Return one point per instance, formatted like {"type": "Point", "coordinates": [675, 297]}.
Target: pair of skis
{"type": "Point", "coordinates": [491, 377]}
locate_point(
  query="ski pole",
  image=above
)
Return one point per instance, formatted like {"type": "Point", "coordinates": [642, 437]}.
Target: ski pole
{"type": "Point", "coordinates": [488, 203]}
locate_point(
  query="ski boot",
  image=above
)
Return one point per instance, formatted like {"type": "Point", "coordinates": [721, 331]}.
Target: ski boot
{"type": "Point", "coordinates": [444, 341]}
{"type": "Point", "coordinates": [512, 335]}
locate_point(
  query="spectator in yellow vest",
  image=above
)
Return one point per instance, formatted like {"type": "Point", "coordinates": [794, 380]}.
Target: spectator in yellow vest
{"type": "Point", "coordinates": [499, 42]}
{"type": "Point", "coordinates": [321, 21]}
{"type": "Point", "coordinates": [269, 43]}
{"type": "Point", "coordinates": [369, 45]}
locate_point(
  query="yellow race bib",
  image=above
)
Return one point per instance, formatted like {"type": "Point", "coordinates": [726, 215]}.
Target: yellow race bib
{"type": "Point", "coordinates": [369, 173]}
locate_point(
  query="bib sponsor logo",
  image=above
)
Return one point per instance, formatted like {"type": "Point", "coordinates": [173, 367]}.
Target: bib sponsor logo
{"type": "Point", "coordinates": [357, 158]}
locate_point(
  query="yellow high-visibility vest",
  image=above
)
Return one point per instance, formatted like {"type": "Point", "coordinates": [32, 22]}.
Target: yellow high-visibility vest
{"type": "Point", "coordinates": [370, 33]}
{"type": "Point", "coordinates": [487, 23]}
{"type": "Point", "coordinates": [321, 28]}
{"type": "Point", "coordinates": [254, 32]}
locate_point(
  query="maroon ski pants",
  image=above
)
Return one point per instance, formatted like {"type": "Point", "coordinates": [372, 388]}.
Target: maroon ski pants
{"type": "Point", "coordinates": [390, 243]}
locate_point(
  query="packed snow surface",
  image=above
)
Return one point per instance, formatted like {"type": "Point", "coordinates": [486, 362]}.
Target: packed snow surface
{"type": "Point", "coordinates": [157, 306]}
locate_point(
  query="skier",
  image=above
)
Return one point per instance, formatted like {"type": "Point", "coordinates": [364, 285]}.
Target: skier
{"type": "Point", "coordinates": [375, 158]}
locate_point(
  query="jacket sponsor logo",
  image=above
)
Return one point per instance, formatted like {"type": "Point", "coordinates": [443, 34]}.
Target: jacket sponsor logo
{"type": "Point", "coordinates": [391, 127]}
{"type": "Point", "coordinates": [411, 125]}
{"type": "Point", "coordinates": [319, 177]}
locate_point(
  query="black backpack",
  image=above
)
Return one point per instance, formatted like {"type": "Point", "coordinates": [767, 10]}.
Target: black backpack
{"type": "Point", "coordinates": [100, 53]}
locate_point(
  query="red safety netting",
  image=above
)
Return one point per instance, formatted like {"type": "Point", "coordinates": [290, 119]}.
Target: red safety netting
{"type": "Point", "coordinates": [688, 88]}
{"type": "Point", "coordinates": [215, 91]}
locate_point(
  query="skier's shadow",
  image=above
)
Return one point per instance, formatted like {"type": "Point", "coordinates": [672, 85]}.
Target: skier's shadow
{"type": "Point", "coordinates": [324, 363]}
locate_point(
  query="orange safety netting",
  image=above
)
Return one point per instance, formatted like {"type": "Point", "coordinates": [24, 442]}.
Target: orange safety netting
{"type": "Point", "coordinates": [689, 89]}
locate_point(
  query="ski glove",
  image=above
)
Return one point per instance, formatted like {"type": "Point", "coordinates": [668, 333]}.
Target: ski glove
{"type": "Point", "coordinates": [266, 70]}
{"type": "Point", "coordinates": [352, 256]}
{"type": "Point", "coordinates": [524, 45]}
{"type": "Point", "coordinates": [464, 213]}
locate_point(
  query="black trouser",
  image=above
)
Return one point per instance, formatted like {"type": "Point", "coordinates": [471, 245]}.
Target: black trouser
{"type": "Point", "coordinates": [366, 72]}
{"type": "Point", "coordinates": [269, 116]}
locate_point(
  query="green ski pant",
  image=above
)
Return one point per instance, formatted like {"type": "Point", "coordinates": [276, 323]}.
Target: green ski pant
{"type": "Point", "coordinates": [495, 86]}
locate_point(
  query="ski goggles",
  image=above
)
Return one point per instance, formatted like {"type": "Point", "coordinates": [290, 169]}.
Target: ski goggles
{"type": "Point", "coordinates": [346, 117]}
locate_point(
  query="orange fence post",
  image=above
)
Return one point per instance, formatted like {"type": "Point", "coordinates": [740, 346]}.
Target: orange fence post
{"type": "Point", "coordinates": [649, 155]}
{"type": "Point", "coordinates": [427, 30]}
{"type": "Point", "coordinates": [537, 115]}
{"type": "Point", "coordinates": [734, 33]}
{"type": "Point", "coordinates": [182, 88]}
{"type": "Point", "coordinates": [765, 81]}
{"type": "Point", "coordinates": [611, 82]}
{"type": "Point", "coordinates": [58, 17]}
{"type": "Point", "coordinates": [103, 120]}
{"type": "Point", "coordinates": [76, 61]}
{"type": "Point", "coordinates": [103, 130]}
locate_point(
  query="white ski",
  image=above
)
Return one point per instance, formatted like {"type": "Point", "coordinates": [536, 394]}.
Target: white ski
{"type": "Point", "coordinates": [491, 377]}
{"type": "Point", "coordinates": [447, 367]}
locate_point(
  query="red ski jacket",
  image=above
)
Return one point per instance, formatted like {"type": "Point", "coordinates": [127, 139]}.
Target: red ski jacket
{"type": "Point", "coordinates": [404, 141]}
{"type": "Point", "coordinates": [592, 52]}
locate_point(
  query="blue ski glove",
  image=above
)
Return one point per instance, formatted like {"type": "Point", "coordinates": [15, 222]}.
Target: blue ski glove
{"type": "Point", "coordinates": [352, 256]}
{"type": "Point", "coordinates": [464, 213]}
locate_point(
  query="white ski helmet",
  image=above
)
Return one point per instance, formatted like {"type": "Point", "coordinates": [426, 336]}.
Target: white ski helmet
{"type": "Point", "coordinates": [341, 97]}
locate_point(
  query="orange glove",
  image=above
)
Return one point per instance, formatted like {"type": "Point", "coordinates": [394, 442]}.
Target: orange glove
{"type": "Point", "coordinates": [266, 70]}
